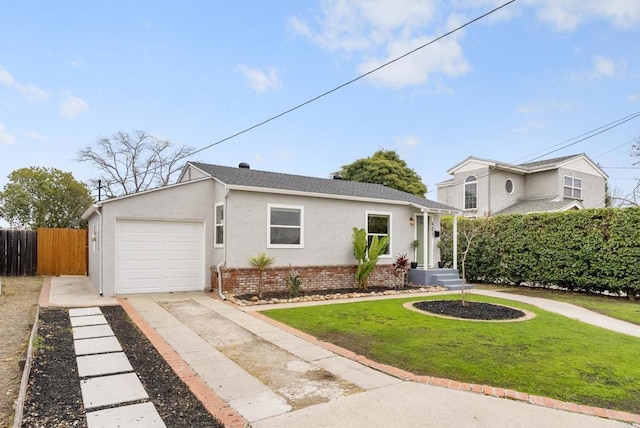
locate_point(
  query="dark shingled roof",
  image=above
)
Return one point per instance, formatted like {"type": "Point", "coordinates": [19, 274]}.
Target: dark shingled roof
{"type": "Point", "coordinates": [298, 183]}
{"type": "Point", "coordinates": [545, 162]}
{"type": "Point", "coordinates": [527, 206]}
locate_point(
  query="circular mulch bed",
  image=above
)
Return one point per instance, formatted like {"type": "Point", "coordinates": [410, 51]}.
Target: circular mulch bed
{"type": "Point", "coordinates": [474, 311]}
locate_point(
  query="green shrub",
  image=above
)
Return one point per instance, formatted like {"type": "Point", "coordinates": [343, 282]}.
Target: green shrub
{"type": "Point", "coordinates": [592, 250]}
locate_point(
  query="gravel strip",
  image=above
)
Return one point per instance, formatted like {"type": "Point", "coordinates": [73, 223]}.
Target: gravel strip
{"type": "Point", "coordinates": [53, 395]}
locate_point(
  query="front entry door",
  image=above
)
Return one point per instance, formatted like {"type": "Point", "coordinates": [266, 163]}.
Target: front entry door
{"type": "Point", "coordinates": [421, 236]}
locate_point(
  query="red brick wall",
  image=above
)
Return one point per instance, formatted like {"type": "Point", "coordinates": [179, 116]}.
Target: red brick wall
{"type": "Point", "coordinates": [239, 281]}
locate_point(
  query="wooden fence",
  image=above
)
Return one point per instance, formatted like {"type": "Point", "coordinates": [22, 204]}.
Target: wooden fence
{"type": "Point", "coordinates": [47, 252]}
{"type": "Point", "coordinates": [62, 252]}
{"type": "Point", "coordinates": [18, 252]}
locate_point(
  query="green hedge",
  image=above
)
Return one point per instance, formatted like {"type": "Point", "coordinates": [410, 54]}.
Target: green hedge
{"type": "Point", "coordinates": [594, 250]}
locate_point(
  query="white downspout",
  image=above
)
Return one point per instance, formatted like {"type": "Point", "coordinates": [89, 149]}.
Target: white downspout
{"type": "Point", "coordinates": [98, 211]}
{"type": "Point", "coordinates": [455, 241]}
{"type": "Point", "coordinates": [224, 245]}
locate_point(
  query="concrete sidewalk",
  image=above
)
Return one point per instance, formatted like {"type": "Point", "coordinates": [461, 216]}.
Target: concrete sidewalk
{"type": "Point", "coordinates": [382, 399]}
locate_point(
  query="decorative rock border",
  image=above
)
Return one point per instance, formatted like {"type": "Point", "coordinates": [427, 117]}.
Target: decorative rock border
{"type": "Point", "coordinates": [333, 296]}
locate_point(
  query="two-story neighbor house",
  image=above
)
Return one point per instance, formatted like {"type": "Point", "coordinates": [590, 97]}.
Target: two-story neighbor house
{"type": "Point", "coordinates": [483, 187]}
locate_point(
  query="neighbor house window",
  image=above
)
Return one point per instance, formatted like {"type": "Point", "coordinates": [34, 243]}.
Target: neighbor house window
{"type": "Point", "coordinates": [285, 226]}
{"type": "Point", "coordinates": [379, 224]}
{"type": "Point", "coordinates": [470, 193]}
{"type": "Point", "coordinates": [219, 220]}
{"type": "Point", "coordinates": [508, 186]}
{"type": "Point", "coordinates": [572, 187]}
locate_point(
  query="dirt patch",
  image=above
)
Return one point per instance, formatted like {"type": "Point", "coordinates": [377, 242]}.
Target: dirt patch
{"type": "Point", "coordinates": [18, 303]}
{"type": "Point", "coordinates": [300, 383]}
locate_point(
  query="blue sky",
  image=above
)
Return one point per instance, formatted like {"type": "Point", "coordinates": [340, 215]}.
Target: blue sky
{"type": "Point", "coordinates": [508, 88]}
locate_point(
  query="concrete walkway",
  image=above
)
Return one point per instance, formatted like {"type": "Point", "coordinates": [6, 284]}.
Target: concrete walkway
{"type": "Point", "coordinates": [382, 399]}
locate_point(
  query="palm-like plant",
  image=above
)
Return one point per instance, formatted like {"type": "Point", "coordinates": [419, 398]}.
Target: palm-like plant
{"type": "Point", "coordinates": [261, 262]}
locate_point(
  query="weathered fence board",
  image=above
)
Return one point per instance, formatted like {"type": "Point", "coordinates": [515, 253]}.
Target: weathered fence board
{"type": "Point", "coordinates": [18, 252]}
{"type": "Point", "coordinates": [62, 252]}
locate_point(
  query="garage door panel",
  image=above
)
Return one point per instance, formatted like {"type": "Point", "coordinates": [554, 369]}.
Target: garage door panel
{"type": "Point", "coordinates": [159, 256]}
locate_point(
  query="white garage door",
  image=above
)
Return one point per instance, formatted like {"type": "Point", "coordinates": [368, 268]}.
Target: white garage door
{"type": "Point", "coordinates": [159, 256]}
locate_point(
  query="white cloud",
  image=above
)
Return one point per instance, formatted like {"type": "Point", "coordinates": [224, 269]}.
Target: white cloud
{"type": "Point", "coordinates": [527, 109]}
{"type": "Point", "coordinates": [29, 92]}
{"type": "Point", "coordinates": [567, 15]}
{"type": "Point", "coordinates": [444, 57]}
{"type": "Point", "coordinates": [33, 135]}
{"type": "Point", "coordinates": [408, 141]}
{"type": "Point", "coordinates": [72, 106]}
{"type": "Point", "coordinates": [603, 67]}
{"type": "Point", "coordinates": [633, 97]}
{"type": "Point", "coordinates": [377, 31]}
{"type": "Point", "coordinates": [5, 137]}
{"type": "Point", "coordinates": [261, 80]}
{"type": "Point", "coordinates": [532, 124]}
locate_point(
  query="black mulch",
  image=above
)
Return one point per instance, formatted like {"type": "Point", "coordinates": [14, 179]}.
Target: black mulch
{"type": "Point", "coordinates": [54, 398]}
{"type": "Point", "coordinates": [472, 311]}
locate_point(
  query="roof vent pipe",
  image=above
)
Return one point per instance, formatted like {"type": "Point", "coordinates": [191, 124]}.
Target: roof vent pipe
{"type": "Point", "coordinates": [244, 165]}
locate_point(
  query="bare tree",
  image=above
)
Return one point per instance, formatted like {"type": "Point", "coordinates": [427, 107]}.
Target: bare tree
{"type": "Point", "coordinates": [131, 163]}
{"type": "Point", "coordinates": [631, 199]}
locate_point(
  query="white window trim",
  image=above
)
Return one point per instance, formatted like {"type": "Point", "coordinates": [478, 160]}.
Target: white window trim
{"type": "Point", "coordinates": [513, 187]}
{"type": "Point", "coordinates": [572, 187]}
{"type": "Point", "coordinates": [366, 228]}
{"type": "Point", "coordinates": [464, 192]}
{"type": "Point", "coordinates": [217, 244]}
{"type": "Point", "coordinates": [290, 207]}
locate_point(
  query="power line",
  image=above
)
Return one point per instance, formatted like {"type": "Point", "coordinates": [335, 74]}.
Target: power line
{"type": "Point", "coordinates": [337, 88]}
{"type": "Point", "coordinates": [582, 137]}
{"type": "Point", "coordinates": [579, 136]}
{"type": "Point", "coordinates": [591, 134]}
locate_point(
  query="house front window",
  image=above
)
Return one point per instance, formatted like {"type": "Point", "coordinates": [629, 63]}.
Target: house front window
{"type": "Point", "coordinates": [219, 221]}
{"type": "Point", "coordinates": [470, 193]}
{"type": "Point", "coordinates": [572, 187]}
{"type": "Point", "coordinates": [379, 224]}
{"type": "Point", "coordinates": [285, 226]}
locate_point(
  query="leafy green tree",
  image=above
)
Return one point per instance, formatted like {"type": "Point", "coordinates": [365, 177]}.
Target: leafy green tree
{"type": "Point", "coordinates": [385, 167]}
{"type": "Point", "coordinates": [40, 197]}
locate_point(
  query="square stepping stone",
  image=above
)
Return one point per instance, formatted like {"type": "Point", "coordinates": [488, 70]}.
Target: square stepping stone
{"type": "Point", "coordinates": [90, 331]}
{"type": "Point", "coordinates": [109, 390]}
{"type": "Point", "coordinates": [134, 415]}
{"type": "Point", "coordinates": [78, 312]}
{"type": "Point", "coordinates": [98, 345]}
{"type": "Point", "coordinates": [88, 320]}
{"type": "Point", "coordinates": [103, 364]}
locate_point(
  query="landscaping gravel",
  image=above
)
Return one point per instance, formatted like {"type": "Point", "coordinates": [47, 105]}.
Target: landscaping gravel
{"type": "Point", "coordinates": [54, 398]}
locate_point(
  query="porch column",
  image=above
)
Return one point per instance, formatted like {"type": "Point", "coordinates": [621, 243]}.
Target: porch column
{"type": "Point", "coordinates": [455, 241]}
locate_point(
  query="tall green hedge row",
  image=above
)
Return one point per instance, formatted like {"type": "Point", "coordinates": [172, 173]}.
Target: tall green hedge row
{"type": "Point", "coordinates": [594, 250]}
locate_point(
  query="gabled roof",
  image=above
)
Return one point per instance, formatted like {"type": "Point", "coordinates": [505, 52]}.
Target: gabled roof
{"type": "Point", "coordinates": [529, 206]}
{"type": "Point", "coordinates": [548, 162]}
{"type": "Point", "coordinates": [251, 179]}
{"type": "Point", "coordinates": [527, 167]}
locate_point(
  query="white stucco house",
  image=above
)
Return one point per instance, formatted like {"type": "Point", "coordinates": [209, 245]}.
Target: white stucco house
{"type": "Point", "coordinates": [483, 187]}
{"type": "Point", "coordinates": [200, 233]}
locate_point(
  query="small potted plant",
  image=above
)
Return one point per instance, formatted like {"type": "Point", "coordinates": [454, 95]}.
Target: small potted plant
{"type": "Point", "coordinates": [415, 244]}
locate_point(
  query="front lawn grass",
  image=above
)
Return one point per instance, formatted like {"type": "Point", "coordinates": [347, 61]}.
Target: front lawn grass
{"type": "Point", "coordinates": [614, 307]}
{"type": "Point", "coordinates": [549, 355]}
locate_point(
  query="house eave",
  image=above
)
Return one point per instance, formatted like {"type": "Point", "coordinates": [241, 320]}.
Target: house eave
{"type": "Point", "coordinates": [333, 196]}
